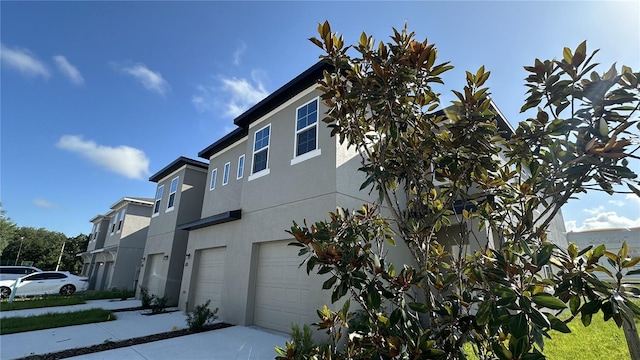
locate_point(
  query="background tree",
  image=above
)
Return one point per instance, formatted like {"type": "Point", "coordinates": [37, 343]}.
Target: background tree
{"type": "Point", "coordinates": [7, 229]}
{"type": "Point", "coordinates": [458, 169]}
{"type": "Point", "coordinates": [42, 248]}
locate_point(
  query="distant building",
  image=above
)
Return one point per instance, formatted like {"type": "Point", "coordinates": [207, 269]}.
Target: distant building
{"type": "Point", "coordinates": [116, 244]}
{"type": "Point", "coordinates": [612, 239]}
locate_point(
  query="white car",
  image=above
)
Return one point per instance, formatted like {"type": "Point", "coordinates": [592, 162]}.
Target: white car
{"type": "Point", "coordinates": [45, 282]}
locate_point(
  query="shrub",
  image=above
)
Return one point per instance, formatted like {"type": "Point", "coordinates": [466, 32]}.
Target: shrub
{"type": "Point", "coordinates": [300, 347]}
{"type": "Point", "coordinates": [145, 297]}
{"type": "Point", "coordinates": [158, 304]}
{"type": "Point", "coordinates": [200, 316]}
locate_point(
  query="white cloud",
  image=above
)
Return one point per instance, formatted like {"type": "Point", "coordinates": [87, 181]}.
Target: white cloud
{"type": "Point", "coordinates": [633, 198]}
{"type": "Point", "coordinates": [232, 96]}
{"type": "Point", "coordinates": [594, 211]}
{"type": "Point", "coordinates": [616, 202]}
{"type": "Point", "coordinates": [43, 203]}
{"type": "Point", "coordinates": [23, 61]}
{"type": "Point", "coordinates": [151, 80]}
{"type": "Point", "coordinates": [603, 220]}
{"type": "Point", "coordinates": [123, 160]}
{"type": "Point", "coordinates": [237, 55]}
{"type": "Point", "coordinates": [68, 70]}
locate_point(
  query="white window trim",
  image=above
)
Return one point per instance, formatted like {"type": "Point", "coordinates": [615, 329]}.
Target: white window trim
{"type": "Point", "coordinates": [240, 172]}
{"type": "Point", "coordinates": [266, 170]}
{"type": "Point", "coordinates": [214, 175]}
{"type": "Point", "coordinates": [226, 173]}
{"type": "Point", "coordinates": [115, 223]}
{"type": "Point", "coordinates": [158, 201]}
{"type": "Point", "coordinates": [315, 152]}
{"type": "Point", "coordinates": [177, 178]}
{"type": "Point", "coordinates": [306, 156]}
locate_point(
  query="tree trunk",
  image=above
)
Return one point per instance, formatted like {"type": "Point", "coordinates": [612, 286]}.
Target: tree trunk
{"type": "Point", "coordinates": [631, 335]}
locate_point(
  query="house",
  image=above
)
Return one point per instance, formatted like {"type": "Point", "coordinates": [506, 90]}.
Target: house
{"type": "Point", "coordinates": [116, 244]}
{"type": "Point", "coordinates": [279, 165]}
{"type": "Point", "coordinates": [178, 199]}
{"type": "Point", "coordinates": [612, 239]}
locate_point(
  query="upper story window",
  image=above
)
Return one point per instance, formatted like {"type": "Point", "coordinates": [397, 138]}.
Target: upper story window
{"type": "Point", "coordinates": [240, 167]}
{"type": "Point", "coordinates": [115, 221]}
{"type": "Point", "coordinates": [261, 149]}
{"type": "Point", "coordinates": [172, 193]}
{"type": "Point", "coordinates": [214, 175]}
{"type": "Point", "coordinates": [225, 174]}
{"type": "Point", "coordinates": [307, 128]}
{"type": "Point", "coordinates": [156, 207]}
{"type": "Point", "coordinates": [121, 219]}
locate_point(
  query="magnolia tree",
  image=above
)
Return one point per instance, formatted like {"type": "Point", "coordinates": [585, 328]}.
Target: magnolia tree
{"type": "Point", "coordinates": [472, 201]}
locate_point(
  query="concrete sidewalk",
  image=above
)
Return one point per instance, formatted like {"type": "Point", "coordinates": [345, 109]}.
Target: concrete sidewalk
{"type": "Point", "coordinates": [229, 343]}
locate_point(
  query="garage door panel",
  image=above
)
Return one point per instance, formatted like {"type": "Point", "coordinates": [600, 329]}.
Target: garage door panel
{"type": "Point", "coordinates": [283, 289]}
{"type": "Point", "coordinates": [209, 276]}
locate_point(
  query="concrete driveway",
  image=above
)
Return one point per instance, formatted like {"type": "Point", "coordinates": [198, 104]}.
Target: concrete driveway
{"type": "Point", "coordinates": [237, 342]}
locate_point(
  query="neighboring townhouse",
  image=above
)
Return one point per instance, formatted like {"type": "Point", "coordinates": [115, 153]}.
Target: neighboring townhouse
{"type": "Point", "coordinates": [96, 241]}
{"type": "Point", "coordinates": [112, 259]}
{"type": "Point", "coordinates": [612, 239]}
{"type": "Point", "coordinates": [279, 165]}
{"type": "Point", "coordinates": [178, 200]}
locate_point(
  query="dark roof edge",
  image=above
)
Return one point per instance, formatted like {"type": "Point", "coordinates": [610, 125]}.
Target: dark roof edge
{"type": "Point", "coordinates": [223, 142]}
{"type": "Point", "coordinates": [176, 164]}
{"type": "Point", "coordinates": [297, 84]}
{"type": "Point", "coordinates": [212, 220]}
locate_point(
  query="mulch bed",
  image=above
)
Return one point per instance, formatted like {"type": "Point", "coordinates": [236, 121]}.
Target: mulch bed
{"type": "Point", "coordinates": [110, 345]}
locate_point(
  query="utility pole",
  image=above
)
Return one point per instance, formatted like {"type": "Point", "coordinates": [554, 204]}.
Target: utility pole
{"type": "Point", "coordinates": [60, 257]}
{"type": "Point", "coordinates": [19, 249]}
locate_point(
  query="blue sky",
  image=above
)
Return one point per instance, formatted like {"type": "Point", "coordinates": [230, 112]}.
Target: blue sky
{"type": "Point", "coordinates": [97, 96]}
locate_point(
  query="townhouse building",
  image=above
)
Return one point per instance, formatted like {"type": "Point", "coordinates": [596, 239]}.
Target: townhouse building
{"type": "Point", "coordinates": [117, 240]}
{"type": "Point", "coordinates": [178, 199]}
{"type": "Point", "coordinates": [280, 164]}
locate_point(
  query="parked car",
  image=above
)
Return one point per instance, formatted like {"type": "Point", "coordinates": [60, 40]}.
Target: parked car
{"type": "Point", "coordinates": [45, 282]}
{"type": "Point", "coordinates": [14, 272]}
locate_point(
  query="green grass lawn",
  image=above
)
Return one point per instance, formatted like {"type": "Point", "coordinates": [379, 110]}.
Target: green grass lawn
{"type": "Point", "coordinates": [600, 340]}
{"type": "Point", "coordinates": [52, 320]}
{"type": "Point", "coordinates": [59, 300]}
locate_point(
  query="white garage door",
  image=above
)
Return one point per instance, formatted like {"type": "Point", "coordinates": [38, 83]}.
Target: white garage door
{"type": "Point", "coordinates": [154, 274]}
{"type": "Point", "coordinates": [282, 288]}
{"type": "Point", "coordinates": [209, 276]}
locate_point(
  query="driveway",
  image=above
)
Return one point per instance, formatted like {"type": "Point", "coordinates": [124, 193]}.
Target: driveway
{"type": "Point", "coordinates": [237, 342]}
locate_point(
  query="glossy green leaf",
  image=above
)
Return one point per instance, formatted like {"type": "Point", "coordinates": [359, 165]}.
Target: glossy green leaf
{"type": "Point", "coordinates": [548, 301]}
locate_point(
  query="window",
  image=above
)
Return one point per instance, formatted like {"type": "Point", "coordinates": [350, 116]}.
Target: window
{"type": "Point", "coordinates": [172, 193]}
{"type": "Point", "coordinates": [214, 174]}
{"type": "Point", "coordinates": [225, 175]}
{"type": "Point", "coordinates": [115, 220]}
{"type": "Point", "coordinates": [240, 167]}
{"type": "Point", "coordinates": [306, 128]}
{"type": "Point", "coordinates": [261, 149]}
{"type": "Point", "coordinates": [156, 208]}
{"type": "Point", "coordinates": [120, 221]}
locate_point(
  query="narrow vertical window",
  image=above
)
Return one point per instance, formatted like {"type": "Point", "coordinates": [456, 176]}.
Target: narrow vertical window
{"type": "Point", "coordinates": [214, 174]}
{"type": "Point", "coordinates": [240, 167]}
{"type": "Point", "coordinates": [121, 219]}
{"type": "Point", "coordinates": [261, 149]}
{"type": "Point", "coordinates": [156, 207]}
{"type": "Point", "coordinates": [115, 220]}
{"type": "Point", "coordinates": [306, 128]}
{"type": "Point", "coordinates": [172, 193]}
{"type": "Point", "coordinates": [225, 174]}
